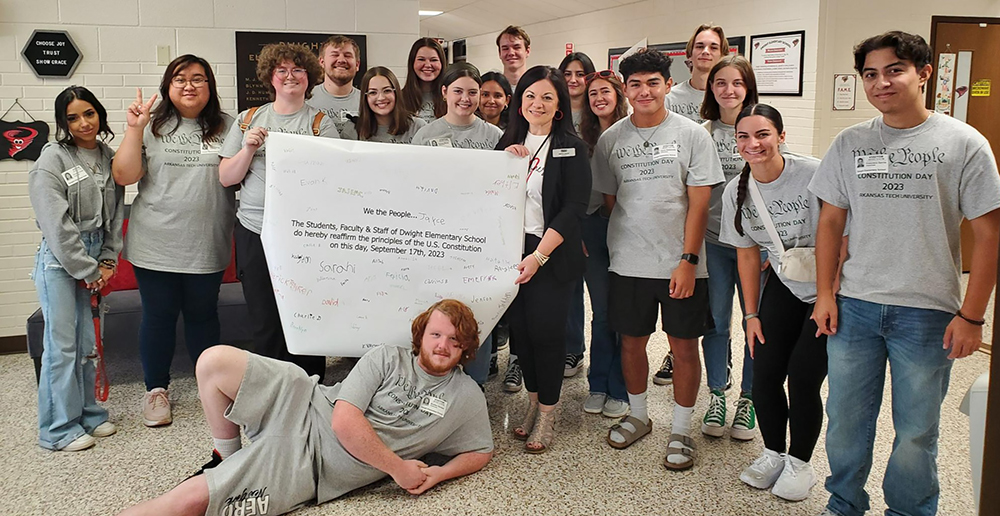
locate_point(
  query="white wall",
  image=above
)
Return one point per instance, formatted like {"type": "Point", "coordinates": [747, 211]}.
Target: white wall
{"type": "Point", "coordinates": [832, 28]}
{"type": "Point", "coordinates": [673, 21]}
{"type": "Point", "coordinates": [848, 22]}
{"type": "Point", "coordinates": [118, 40]}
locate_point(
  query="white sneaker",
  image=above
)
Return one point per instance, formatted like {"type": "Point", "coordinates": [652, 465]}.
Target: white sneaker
{"type": "Point", "coordinates": [796, 479]}
{"type": "Point", "coordinates": [615, 408]}
{"type": "Point", "coordinates": [594, 403]}
{"type": "Point", "coordinates": [105, 429]}
{"type": "Point", "coordinates": [765, 470]}
{"type": "Point", "coordinates": [80, 443]}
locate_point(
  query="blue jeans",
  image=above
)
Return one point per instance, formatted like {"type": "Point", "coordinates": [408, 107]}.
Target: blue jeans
{"type": "Point", "coordinates": [479, 368]}
{"type": "Point", "coordinates": [67, 408]}
{"type": "Point", "coordinates": [723, 275]}
{"type": "Point", "coordinates": [605, 373]}
{"type": "Point", "coordinates": [910, 339]}
{"type": "Point", "coordinates": [165, 295]}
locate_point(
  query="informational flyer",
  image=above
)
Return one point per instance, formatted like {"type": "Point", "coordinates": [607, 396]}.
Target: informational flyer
{"type": "Point", "coordinates": [844, 91]}
{"type": "Point", "coordinates": [777, 62]}
{"type": "Point", "coordinates": [362, 237]}
{"type": "Point", "coordinates": [944, 83]}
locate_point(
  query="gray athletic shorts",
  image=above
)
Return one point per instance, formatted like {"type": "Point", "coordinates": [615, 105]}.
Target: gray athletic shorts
{"type": "Point", "coordinates": [278, 472]}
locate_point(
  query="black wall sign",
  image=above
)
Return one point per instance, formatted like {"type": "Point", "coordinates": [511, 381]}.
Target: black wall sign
{"type": "Point", "coordinates": [51, 53]}
{"type": "Point", "coordinates": [22, 140]}
{"type": "Point", "coordinates": [249, 90]}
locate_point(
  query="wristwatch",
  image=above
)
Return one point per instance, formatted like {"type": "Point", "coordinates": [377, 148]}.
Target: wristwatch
{"type": "Point", "coordinates": [108, 264]}
{"type": "Point", "coordinates": [690, 258]}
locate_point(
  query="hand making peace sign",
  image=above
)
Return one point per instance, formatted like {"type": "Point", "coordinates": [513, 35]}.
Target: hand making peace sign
{"type": "Point", "coordinates": [137, 115]}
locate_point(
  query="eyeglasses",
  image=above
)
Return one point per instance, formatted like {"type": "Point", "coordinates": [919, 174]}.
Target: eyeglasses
{"type": "Point", "coordinates": [603, 74]}
{"type": "Point", "coordinates": [385, 92]}
{"type": "Point", "coordinates": [180, 82]}
{"type": "Point", "coordinates": [283, 72]}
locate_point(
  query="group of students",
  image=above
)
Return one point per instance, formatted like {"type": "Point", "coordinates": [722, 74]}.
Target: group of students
{"type": "Point", "coordinates": [661, 198]}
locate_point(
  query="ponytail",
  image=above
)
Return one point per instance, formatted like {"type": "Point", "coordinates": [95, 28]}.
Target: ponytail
{"type": "Point", "coordinates": [741, 197]}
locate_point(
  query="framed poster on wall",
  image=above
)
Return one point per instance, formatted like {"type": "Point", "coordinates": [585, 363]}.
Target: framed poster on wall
{"type": "Point", "coordinates": [777, 60]}
{"type": "Point", "coordinates": [249, 90]}
{"type": "Point", "coordinates": [679, 71]}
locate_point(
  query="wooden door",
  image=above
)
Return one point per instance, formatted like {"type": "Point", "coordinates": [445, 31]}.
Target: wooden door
{"type": "Point", "coordinates": [982, 37]}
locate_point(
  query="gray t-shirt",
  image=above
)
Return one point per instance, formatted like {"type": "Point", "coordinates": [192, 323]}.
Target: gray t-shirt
{"type": "Point", "coordinates": [426, 112]}
{"type": "Point", "coordinates": [724, 136]}
{"type": "Point", "coordinates": [413, 412]}
{"type": "Point", "coordinates": [182, 218]}
{"type": "Point", "coordinates": [477, 135]}
{"type": "Point", "coordinates": [336, 107]}
{"type": "Point", "coordinates": [907, 191]}
{"type": "Point", "coordinates": [577, 118]}
{"type": "Point", "coordinates": [251, 210]}
{"type": "Point", "coordinates": [794, 212]}
{"type": "Point", "coordinates": [686, 100]}
{"type": "Point", "coordinates": [382, 135]}
{"type": "Point", "coordinates": [646, 230]}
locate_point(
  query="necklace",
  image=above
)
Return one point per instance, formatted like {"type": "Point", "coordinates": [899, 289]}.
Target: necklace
{"type": "Point", "coordinates": [881, 122]}
{"type": "Point", "coordinates": [531, 162]}
{"type": "Point", "coordinates": [645, 141]}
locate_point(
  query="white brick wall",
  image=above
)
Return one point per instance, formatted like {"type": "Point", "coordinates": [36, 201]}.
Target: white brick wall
{"type": "Point", "coordinates": [118, 39]}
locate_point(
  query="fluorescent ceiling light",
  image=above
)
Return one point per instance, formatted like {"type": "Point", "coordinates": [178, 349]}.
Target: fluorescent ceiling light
{"type": "Point", "coordinates": [429, 13]}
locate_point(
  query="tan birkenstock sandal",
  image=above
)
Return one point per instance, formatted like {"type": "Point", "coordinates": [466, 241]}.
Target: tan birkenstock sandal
{"type": "Point", "coordinates": [686, 448]}
{"type": "Point", "coordinates": [641, 430]}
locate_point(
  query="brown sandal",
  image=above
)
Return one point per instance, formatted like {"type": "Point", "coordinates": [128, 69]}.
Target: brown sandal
{"type": "Point", "coordinates": [528, 424]}
{"type": "Point", "coordinates": [543, 433]}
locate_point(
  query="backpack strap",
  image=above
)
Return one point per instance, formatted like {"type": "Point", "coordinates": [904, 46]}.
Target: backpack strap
{"type": "Point", "coordinates": [246, 119]}
{"type": "Point", "coordinates": [316, 122]}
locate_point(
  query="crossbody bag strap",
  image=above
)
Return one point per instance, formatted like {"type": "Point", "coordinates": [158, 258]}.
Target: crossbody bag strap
{"type": "Point", "coordinates": [765, 216]}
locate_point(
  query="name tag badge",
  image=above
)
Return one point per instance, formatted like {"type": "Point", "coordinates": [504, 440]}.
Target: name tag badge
{"type": "Point", "coordinates": [211, 146]}
{"type": "Point", "coordinates": [564, 153]}
{"type": "Point", "coordinates": [667, 150]}
{"type": "Point", "coordinates": [441, 142]}
{"type": "Point", "coordinates": [873, 163]}
{"type": "Point", "coordinates": [435, 406]}
{"type": "Point", "coordinates": [74, 175]}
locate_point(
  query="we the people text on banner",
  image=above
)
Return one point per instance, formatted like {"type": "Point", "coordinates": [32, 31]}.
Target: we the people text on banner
{"type": "Point", "coordinates": [361, 237]}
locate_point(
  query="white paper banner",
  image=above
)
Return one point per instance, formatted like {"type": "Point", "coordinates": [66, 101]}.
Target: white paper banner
{"type": "Point", "coordinates": [361, 237]}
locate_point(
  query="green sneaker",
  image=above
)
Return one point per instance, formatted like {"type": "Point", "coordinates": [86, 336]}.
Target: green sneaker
{"type": "Point", "coordinates": [745, 421]}
{"type": "Point", "coordinates": [714, 422]}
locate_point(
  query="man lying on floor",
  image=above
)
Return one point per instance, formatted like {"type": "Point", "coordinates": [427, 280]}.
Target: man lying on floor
{"type": "Point", "coordinates": [313, 443]}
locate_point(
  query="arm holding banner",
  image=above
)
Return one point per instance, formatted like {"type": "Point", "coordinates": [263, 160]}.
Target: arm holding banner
{"type": "Point", "coordinates": [232, 170]}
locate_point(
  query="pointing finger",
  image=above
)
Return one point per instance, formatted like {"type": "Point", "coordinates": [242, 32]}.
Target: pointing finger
{"type": "Point", "coordinates": [138, 94]}
{"type": "Point", "coordinates": [150, 103]}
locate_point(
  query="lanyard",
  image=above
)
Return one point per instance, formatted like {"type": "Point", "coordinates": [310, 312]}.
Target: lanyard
{"type": "Point", "coordinates": [535, 155]}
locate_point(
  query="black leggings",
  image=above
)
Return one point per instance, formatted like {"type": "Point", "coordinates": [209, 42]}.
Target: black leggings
{"type": "Point", "coordinates": [791, 350]}
{"type": "Point", "coordinates": [537, 320]}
